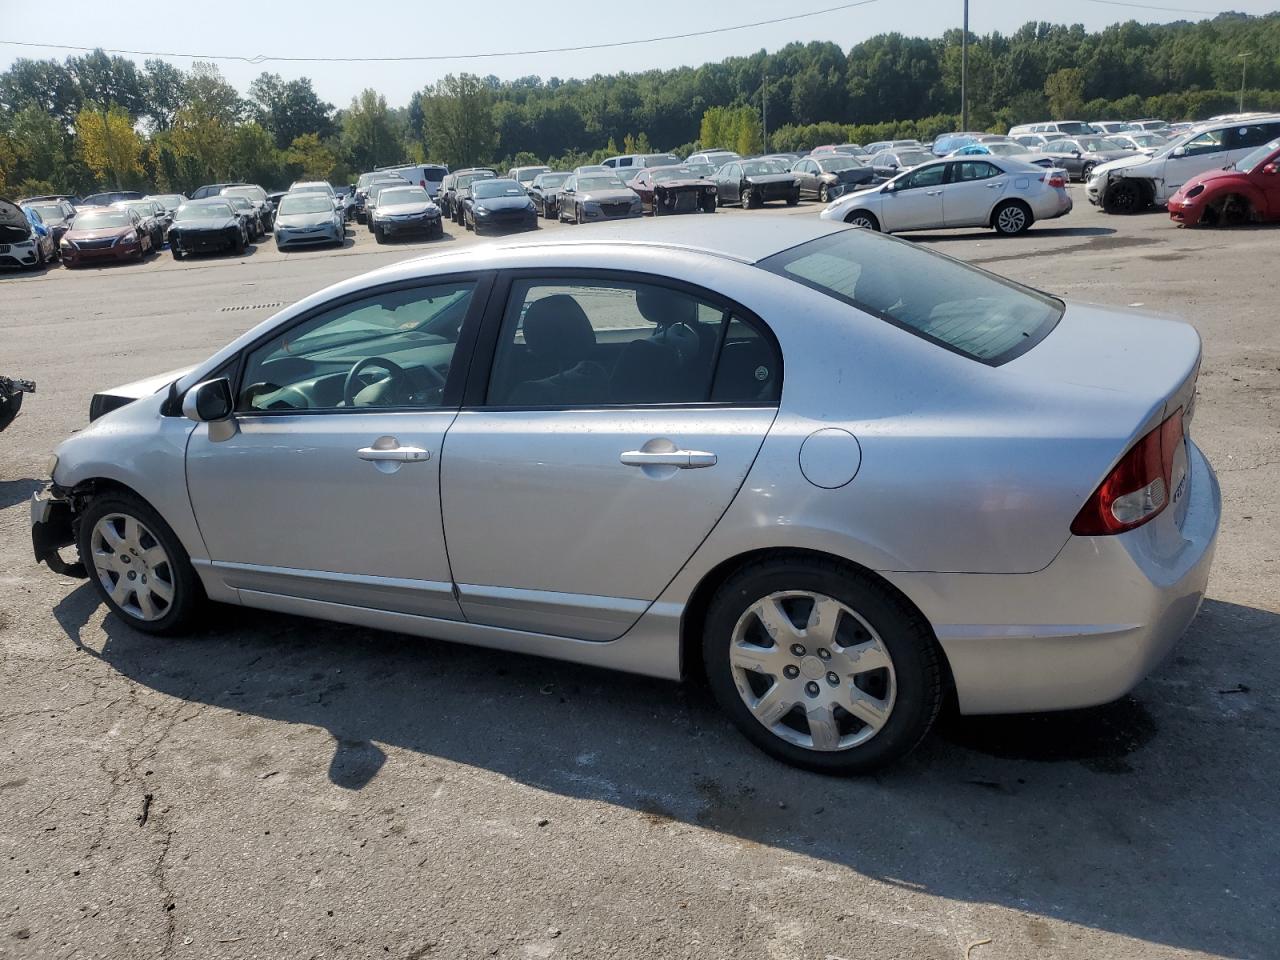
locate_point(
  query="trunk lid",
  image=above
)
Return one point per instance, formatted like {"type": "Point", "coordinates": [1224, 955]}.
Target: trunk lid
{"type": "Point", "coordinates": [14, 227]}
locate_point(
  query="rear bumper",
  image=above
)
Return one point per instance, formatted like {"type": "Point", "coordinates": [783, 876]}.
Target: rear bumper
{"type": "Point", "coordinates": [53, 527]}
{"type": "Point", "coordinates": [1017, 643]}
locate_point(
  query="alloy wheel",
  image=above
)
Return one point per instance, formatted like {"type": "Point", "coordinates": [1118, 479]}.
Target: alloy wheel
{"type": "Point", "coordinates": [133, 566]}
{"type": "Point", "coordinates": [1012, 219]}
{"type": "Point", "coordinates": [812, 671]}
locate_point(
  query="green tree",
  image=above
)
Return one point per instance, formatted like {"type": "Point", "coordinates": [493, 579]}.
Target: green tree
{"type": "Point", "coordinates": [370, 136]}
{"type": "Point", "coordinates": [109, 145]}
{"type": "Point", "coordinates": [289, 109]}
{"type": "Point", "coordinates": [309, 159]}
{"type": "Point", "coordinates": [1065, 92]}
{"type": "Point", "coordinates": [458, 120]}
{"type": "Point", "coordinates": [40, 145]}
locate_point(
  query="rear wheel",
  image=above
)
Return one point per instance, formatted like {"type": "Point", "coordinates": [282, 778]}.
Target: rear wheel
{"type": "Point", "coordinates": [1011, 218]}
{"type": "Point", "coordinates": [821, 665]}
{"type": "Point", "coordinates": [138, 565]}
{"type": "Point", "coordinates": [824, 195]}
{"type": "Point", "coordinates": [861, 218]}
{"type": "Point", "coordinates": [1086, 172]}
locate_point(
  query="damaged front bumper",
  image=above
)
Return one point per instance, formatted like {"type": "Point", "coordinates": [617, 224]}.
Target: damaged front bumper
{"type": "Point", "coordinates": [52, 528]}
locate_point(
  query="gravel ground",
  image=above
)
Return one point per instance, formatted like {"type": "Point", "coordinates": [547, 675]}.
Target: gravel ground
{"type": "Point", "coordinates": [280, 788]}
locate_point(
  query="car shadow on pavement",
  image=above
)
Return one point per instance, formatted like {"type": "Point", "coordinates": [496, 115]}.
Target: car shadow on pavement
{"type": "Point", "coordinates": [17, 491]}
{"type": "Point", "coordinates": [1153, 817]}
{"type": "Point", "coordinates": [1035, 232]}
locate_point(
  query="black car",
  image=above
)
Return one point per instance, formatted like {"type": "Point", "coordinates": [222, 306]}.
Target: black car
{"type": "Point", "coordinates": [108, 198]}
{"type": "Point", "coordinates": [462, 187]}
{"type": "Point", "coordinates": [54, 213]}
{"type": "Point", "coordinates": [753, 182]}
{"type": "Point", "coordinates": [826, 177]}
{"type": "Point", "coordinates": [213, 190]}
{"type": "Point", "coordinates": [200, 226]}
{"type": "Point", "coordinates": [362, 190]}
{"type": "Point", "coordinates": [261, 200]}
{"type": "Point", "coordinates": [545, 193]}
{"type": "Point", "coordinates": [11, 393]}
{"type": "Point", "coordinates": [493, 203]}
{"type": "Point", "coordinates": [253, 226]}
{"type": "Point", "coordinates": [155, 219]}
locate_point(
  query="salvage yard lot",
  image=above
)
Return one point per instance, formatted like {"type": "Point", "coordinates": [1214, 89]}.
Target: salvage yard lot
{"type": "Point", "coordinates": [274, 787]}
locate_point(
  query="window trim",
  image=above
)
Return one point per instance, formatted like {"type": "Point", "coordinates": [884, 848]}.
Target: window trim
{"type": "Point", "coordinates": [450, 399]}
{"type": "Point", "coordinates": [485, 352]}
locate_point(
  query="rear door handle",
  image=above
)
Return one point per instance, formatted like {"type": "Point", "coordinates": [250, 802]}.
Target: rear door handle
{"type": "Point", "coordinates": [933, 193]}
{"type": "Point", "coordinates": [388, 454]}
{"type": "Point", "coordinates": [996, 185]}
{"type": "Point", "coordinates": [684, 459]}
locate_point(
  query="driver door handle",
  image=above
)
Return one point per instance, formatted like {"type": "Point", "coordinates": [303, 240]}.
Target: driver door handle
{"type": "Point", "coordinates": [394, 454]}
{"type": "Point", "coordinates": [933, 193]}
{"type": "Point", "coordinates": [684, 459]}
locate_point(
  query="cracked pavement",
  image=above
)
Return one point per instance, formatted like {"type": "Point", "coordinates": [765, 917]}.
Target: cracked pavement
{"type": "Point", "coordinates": [324, 791]}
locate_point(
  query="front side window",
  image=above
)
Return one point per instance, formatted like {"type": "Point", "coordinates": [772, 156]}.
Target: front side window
{"type": "Point", "coordinates": [1208, 142]}
{"type": "Point", "coordinates": [603, 342]}
{"type": "Point", "coordinates": [389, 349]}
{"type": "Point", "coordinates": [926, 177]}
{"type": "Point", "coordinates": [959, 307]}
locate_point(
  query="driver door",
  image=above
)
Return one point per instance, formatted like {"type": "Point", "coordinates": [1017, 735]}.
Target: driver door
{"type": "Point", "coordinates": [917, 201]}
{"type": "Point", "coordinates": [327, 488]}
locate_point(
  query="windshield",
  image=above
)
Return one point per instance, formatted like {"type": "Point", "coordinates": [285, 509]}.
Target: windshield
{"type": "Point", "coordinates": [97, 219]}
{"type": "Point", "coordinates": [204, 211]}
{"type": "Point", "coordinates": [662, 174]}
{"type": "Point", "coordinates": [553, 180]}
{"type": "Point", "coordinates": [961, 308]}
{"type": "Point", "coordinates": [249, 192]}
{"type": "Point", "coordinates": [169, 199]}
{"type": "Point", "coordinates": [761, 168]}
{"type": "Point", "coordinates": [836, 164]}
{"type": "Point", "coordinates": [304, 203]}
{"type": "Point", "coordinates": [489, 189]}
{"type": "Point", "coordinates": [368, 178]}
{"type": "Point", "coordinates": [466, 179]}
{"type": "Point", "coordinates": [1099, 144]}
{"type": "Point", "coordinates": [660, 159]}
{"type": "Point", "coordinates": [47, 211]}
{"type": "Point", "coordinates": [390, 196]}
{"type": "Point", "coordinates": [1148, 139]}
{"type": "Point", "coordinates": [913, 158]}
{"type": "Point", "coordinates": [528, 174]}
{"type": "Point", "coordinates": [1247, 163]}
{"type": "Point", "coordinates": [599, 183]}
{"type": "Point", "coordinates": [1005, 149]}
{"type": "Point", "coordinates": [1074, 127]}
{"type": "Point", "coordinates": [312, 188]}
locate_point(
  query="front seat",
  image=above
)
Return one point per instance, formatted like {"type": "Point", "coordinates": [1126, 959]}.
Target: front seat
{"type": "Point", "coordinates": [561, 345]}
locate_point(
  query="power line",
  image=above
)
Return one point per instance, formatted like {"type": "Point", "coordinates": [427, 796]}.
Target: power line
{"type": "Point", "coordinates": [263, 58]}
{"type": "Point", "coordinates": [1149, 6]}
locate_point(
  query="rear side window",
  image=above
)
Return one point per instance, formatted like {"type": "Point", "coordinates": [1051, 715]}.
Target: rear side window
{"type": "Point", "coordinates": [603, 342]}
{"type": "Point", "coordinates": [956, 306]}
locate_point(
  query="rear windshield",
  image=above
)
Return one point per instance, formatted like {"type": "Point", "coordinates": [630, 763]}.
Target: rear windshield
{"type": "Point", "coordinates": [952, 304]}
{"type": "Point", "coordinates": [1074, 127]}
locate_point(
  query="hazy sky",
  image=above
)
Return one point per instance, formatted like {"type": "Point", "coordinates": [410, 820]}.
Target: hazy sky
{"type": "Point", "coordinates": [400, 28]}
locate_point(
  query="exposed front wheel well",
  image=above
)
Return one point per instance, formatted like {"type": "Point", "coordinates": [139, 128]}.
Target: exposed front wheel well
{"type": "Point", "coordinates": [695, 611]}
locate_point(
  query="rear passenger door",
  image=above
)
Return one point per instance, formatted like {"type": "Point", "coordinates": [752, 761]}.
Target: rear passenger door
{"type": "Point", "coordinates": [972, 189]}
{"type": "Point", "coordinates": [610, 420]}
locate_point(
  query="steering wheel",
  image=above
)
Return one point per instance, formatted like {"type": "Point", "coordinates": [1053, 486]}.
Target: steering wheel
{"type": "Point", "coordinates": [352, 385]}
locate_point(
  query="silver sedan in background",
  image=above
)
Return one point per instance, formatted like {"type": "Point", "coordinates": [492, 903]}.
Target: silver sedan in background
{"type": "Point", "coordinates": [308, 219]}
{"type": "Point", "coordinates": [844, 476]}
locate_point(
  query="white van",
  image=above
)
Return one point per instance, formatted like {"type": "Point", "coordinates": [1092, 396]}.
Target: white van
{"type": "Point", "coordinates": [1136, 182]}
{"type": "Point", "coordinates": [426, 175]}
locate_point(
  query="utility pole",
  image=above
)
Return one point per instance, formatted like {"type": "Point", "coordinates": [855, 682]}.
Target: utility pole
{"type": "Point", "coordinates": [964, 71]}
{"type": "Point", "coordinates": [1244, 63]}
{"type": "Point", "coordinates": [764, 110]}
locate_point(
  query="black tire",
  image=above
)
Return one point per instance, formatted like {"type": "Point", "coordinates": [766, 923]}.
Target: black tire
{"type": "Point", "coordinates": [903, 633]}
{"type": "Point", "coordinates": [1086, 172]}
{"type": "Point", "coordinates": [749, 199]}
{"type": "Point", "coordinates": [379, 235]}
{"type": "Point", "coordinates": [237, 247]}
{"type": "Point", "coordinates": [1011, 218]}
{"type": "Point", "coordinates": [1122, 197]}
{"type": "Point", "coordinates": [824, 195]}
{"type": "Point", "coordinates": [793, 199]}
{"type": "Point", "coordinates": [864, 219]}
{"type": "Point", "coordinates": [188, 594]}
{"type": "Point", "coordinates": [577, 214]}
{"type": "Point", "coordinates": [177, 254]}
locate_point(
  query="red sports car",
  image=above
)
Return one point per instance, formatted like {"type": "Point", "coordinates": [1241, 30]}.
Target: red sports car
{"type": "Point", "coordinates": [1248, 191]}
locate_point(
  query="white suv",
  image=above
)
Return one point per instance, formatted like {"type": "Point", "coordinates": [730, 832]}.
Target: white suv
{"type": "Point", "coordinates": [1136, 182]}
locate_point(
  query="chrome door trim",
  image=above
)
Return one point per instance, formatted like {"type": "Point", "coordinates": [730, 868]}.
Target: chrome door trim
{"type": "Point", "coordinates": [426, 598]}
{"type": "Point", "coordinates": [586, 617]}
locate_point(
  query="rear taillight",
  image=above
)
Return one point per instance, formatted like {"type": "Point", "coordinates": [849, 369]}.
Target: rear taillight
{"type": "Point", "coordinates": [1137, 489]}
{"type": "Point", "coordinates": [1057, 180]}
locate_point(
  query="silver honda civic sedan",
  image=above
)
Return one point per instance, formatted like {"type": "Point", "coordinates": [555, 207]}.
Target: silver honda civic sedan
{"type": "Point", "coordinates": [844, 476]}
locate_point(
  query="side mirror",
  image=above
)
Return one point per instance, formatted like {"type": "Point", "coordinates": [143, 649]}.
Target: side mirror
{"type": "Point", "coordinates": [1271, 169]}
{"type": "Point", "coordinates": [1180, 151]}
{"type": "Point", "coordinates": [1075, 153]}
{"type": "Point", "coordinates": [208, 402]}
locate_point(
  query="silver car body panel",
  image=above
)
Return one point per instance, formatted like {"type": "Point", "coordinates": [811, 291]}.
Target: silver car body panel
{"type": "Point", "coordinates": [1029, 616]}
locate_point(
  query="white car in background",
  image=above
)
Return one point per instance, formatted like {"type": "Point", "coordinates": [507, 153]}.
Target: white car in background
{"type": "Point", "coordinates": [1005, 193]}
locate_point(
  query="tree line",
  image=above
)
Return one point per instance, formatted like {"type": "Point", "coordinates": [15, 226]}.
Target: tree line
{"type": "Point", "coordinates": [97, 121]}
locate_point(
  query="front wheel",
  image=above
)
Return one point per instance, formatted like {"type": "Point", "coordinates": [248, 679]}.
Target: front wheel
{"type": "Point", "coordinates": [1011, 219]}
{"type": "Point", "coordinates": [863, 219]}
{"type": "Point", "coordinates": [1123, 196]}
{"type": "Point", "coordinates": [238, 245]}
{"type": "Point", "coordinates": [824, 195]}
{"type": "Point", "coordinates": [1086, 172]}
{"type": "Point", "coordinates": [379, 236]}
{"type": "Point", "coordinates": [749, 199]}
{"type": "Point", "coordinates": [822, 665]}
{"type": "Point", "coordinates": [138, 565]}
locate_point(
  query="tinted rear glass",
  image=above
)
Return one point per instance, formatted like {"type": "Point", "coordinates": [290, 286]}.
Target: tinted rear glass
{"type": "Point", "coordinates": [956, 306]}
